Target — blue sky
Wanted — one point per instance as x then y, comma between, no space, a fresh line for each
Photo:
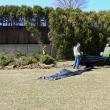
92,5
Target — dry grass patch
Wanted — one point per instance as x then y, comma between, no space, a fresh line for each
19,90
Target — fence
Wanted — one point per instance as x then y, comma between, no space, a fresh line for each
19,35
28,49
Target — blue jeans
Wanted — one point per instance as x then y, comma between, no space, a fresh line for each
77,62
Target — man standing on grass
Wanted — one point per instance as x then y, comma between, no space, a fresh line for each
107,51
76,50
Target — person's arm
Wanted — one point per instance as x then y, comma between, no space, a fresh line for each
104,49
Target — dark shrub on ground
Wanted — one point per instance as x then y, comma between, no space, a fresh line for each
26,60
21,60
35,57
46,59
4,61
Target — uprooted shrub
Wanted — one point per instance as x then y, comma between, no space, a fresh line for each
46,59
18,54
26,60
4,61
21,60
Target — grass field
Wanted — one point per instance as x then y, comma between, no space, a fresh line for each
19,90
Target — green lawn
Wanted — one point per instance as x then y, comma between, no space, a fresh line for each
19,90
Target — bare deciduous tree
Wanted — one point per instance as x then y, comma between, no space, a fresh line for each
71,3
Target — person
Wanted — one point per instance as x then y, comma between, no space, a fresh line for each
106,52
44,50
76,50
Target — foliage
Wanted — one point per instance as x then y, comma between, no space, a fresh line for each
46,59
22,59
25,11
19,54
4,61
26,60
69,26
38,11
34,31
66,27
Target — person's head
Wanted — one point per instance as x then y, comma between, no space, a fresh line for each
78,44
107,45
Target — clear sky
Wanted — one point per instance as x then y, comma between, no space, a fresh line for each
92,5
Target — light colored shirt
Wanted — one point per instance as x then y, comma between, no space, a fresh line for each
107,51
76,51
